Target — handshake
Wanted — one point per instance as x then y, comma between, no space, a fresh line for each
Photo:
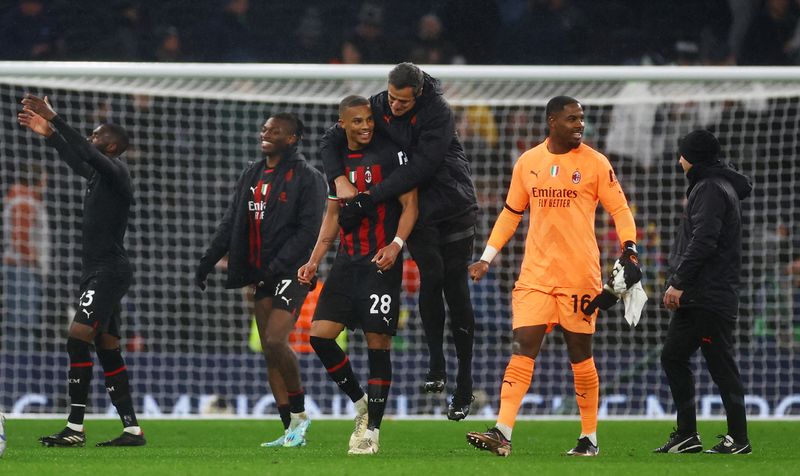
355,210
625,283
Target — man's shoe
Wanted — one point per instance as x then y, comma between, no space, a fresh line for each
125,439
296,435
727,446
585,447
369,444
459,407
2,434
492,440
434,382
66,437
276,443
359,429
681,443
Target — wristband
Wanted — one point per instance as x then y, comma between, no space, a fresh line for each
399,241
489,253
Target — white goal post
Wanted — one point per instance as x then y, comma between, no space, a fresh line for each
194,127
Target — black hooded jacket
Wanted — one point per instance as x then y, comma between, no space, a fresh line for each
292,219
437,164
706,257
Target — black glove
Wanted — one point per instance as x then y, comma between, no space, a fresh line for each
603,301
365,206
630,264
349,216
203,269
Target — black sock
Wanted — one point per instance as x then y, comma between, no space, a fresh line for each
80,376
286,416
117,384
297,401
338,366
380,380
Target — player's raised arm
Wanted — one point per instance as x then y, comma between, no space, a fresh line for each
41,126
386,256
326,237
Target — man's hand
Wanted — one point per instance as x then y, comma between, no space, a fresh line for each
39,106
365,206
385,257
307,273
344,189
349,217
478,270
35,122
672,298
200,277
629,259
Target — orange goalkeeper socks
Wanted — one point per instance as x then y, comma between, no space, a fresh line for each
587,389
516,382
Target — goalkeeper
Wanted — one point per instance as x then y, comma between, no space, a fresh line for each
268,231
561,180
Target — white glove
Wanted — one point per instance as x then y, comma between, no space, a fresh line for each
634,298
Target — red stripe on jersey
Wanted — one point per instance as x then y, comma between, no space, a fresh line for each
294,394
363,229
339,365
355,156
81,364
380,231
114,372
382,383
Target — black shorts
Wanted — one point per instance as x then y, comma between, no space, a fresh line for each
357,295
99,303
285,291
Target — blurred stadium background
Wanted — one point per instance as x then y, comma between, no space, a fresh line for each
195,126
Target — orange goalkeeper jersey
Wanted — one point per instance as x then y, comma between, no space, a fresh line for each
562,191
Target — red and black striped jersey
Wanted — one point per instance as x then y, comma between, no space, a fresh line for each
256,207
366,168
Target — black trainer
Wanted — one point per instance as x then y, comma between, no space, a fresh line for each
125,439
65,437
681,443
492,440
459,407
584,448
434,382
727,446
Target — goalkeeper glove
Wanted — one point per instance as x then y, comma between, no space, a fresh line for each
630,264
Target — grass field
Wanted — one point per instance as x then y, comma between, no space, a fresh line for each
421,448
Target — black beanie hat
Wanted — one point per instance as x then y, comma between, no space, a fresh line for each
699,146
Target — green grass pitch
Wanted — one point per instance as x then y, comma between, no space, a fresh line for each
419,448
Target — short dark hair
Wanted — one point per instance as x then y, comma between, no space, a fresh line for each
297,125
118,136
557,104
407,74
352,101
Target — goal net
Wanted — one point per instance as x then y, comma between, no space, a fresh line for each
194,127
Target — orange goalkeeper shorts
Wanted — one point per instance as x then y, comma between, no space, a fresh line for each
552,306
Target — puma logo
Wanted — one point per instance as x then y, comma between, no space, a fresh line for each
582,395
706,340
387,320
88,314
464,330
253,189
588,320
510,383
535,173
288,300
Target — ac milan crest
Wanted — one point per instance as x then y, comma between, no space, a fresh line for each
576,177
368,176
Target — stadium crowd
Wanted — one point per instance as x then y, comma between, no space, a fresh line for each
569,32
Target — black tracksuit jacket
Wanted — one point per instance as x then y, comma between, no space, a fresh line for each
290,226
437,163
705,260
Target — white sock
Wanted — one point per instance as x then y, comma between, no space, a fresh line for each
361,405
133,430
505,430
592,437
299,416
74,426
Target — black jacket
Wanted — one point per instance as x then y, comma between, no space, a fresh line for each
706,259
437,164
291,222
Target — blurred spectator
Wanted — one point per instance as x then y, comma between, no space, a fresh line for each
131,36
769,35
309,40
27,32
232,35
26,253
369,40
168,47
472,26
552,32
429,46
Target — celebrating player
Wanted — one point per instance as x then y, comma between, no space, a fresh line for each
417,117
267,232
363,288
561,180
106,272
